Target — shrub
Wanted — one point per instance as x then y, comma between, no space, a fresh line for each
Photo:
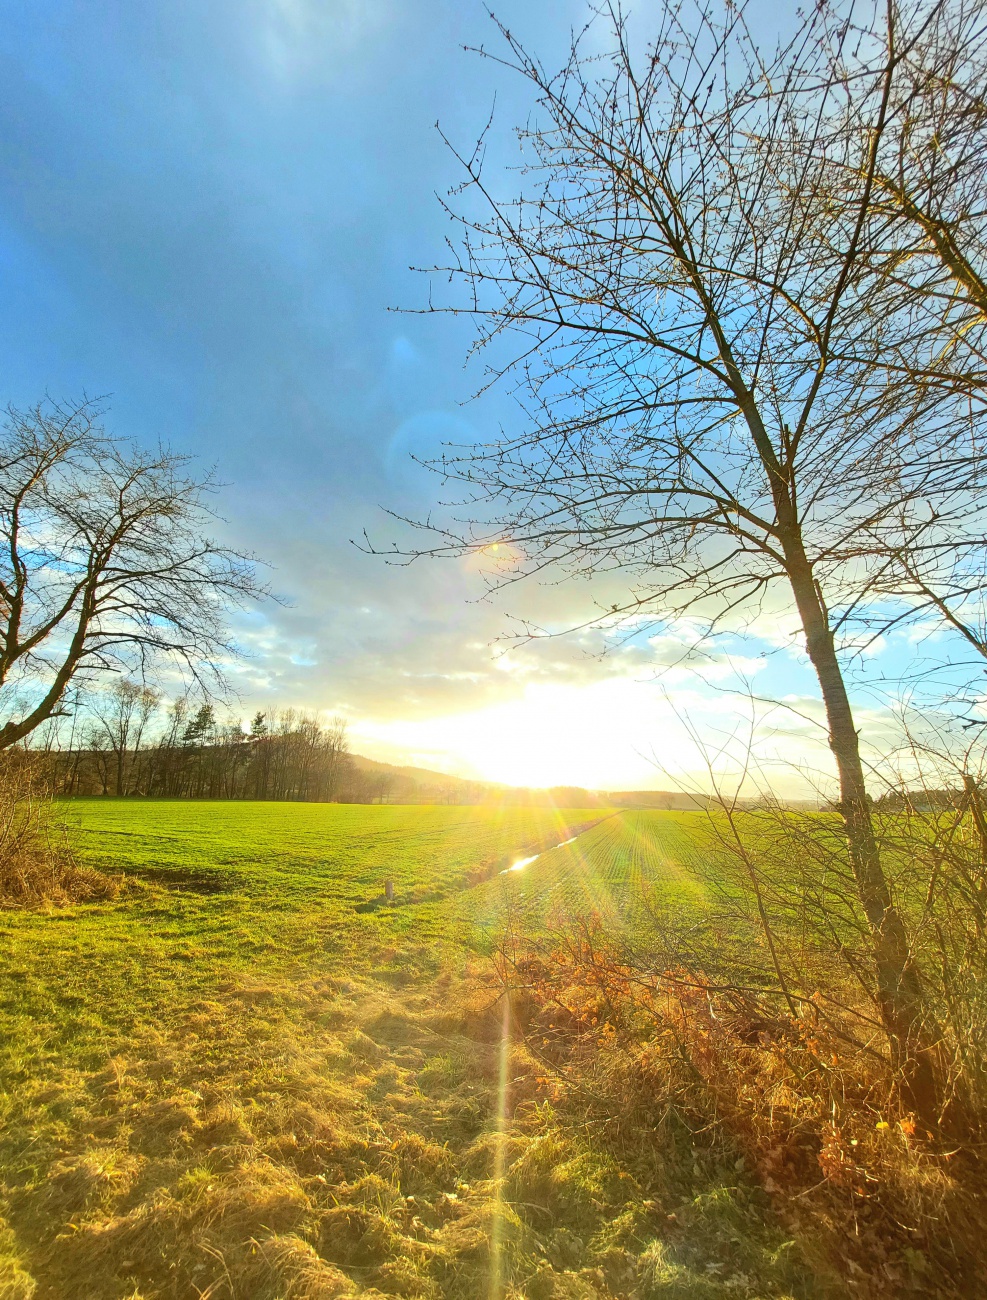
798,1106
37,865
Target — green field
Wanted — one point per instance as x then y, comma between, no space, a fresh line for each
246,1078
626,858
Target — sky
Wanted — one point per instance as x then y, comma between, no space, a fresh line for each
208,216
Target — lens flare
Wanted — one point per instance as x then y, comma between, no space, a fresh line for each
496,1291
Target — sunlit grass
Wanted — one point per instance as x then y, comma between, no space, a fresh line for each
624,862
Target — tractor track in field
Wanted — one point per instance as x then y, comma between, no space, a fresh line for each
521,863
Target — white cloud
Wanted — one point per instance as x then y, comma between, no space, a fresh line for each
300,37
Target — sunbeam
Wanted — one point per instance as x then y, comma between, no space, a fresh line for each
496,1290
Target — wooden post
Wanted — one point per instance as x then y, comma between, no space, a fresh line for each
389,890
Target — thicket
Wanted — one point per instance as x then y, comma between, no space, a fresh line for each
37,863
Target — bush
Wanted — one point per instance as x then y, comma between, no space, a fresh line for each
37,865
798,1107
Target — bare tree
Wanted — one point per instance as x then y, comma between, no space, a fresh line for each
105,564
722,399
925,250
912,80
295,756
124,712
96,745
335,752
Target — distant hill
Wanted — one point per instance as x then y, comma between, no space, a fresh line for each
419,774
396,779
398,784
667,800
673,800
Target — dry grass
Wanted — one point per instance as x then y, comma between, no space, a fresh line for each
333,1138
798,1101
37,865
240,1157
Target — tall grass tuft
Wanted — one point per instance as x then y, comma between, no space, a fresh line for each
37,864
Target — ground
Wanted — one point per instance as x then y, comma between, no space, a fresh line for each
247,1078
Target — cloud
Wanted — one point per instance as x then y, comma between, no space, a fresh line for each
302,38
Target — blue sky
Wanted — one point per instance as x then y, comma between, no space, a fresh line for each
206,213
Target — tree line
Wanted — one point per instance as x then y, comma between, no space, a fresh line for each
116,749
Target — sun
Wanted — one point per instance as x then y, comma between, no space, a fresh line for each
595,736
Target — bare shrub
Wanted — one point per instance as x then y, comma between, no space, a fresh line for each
782,878
37,865
800,1087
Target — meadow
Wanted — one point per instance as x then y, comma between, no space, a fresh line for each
249,1078
623,861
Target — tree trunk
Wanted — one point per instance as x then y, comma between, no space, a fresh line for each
899,986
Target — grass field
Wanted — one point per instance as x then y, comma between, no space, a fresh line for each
609,870
246,1078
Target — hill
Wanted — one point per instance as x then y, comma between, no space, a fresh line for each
405,784
662,800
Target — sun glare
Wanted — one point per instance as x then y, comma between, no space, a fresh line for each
597,736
